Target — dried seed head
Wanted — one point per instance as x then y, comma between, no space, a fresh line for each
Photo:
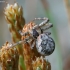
42,63
9,57
14,14
12,10
28,29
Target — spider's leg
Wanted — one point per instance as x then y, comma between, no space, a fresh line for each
20,42
48,33
47,26
43,23
44,18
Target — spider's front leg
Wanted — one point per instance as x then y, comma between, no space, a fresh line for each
43,25
28,39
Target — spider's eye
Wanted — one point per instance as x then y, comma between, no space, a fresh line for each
45,45
35,33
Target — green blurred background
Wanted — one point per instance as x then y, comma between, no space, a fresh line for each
56,11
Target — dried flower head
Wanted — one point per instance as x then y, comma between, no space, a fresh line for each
9,57
14,14
13,10
28,28
41,63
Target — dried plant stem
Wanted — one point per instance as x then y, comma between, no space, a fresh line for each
67,6
14,34
15,38
27,56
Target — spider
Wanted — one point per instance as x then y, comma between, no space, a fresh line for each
45,45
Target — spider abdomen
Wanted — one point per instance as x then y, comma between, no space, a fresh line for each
45,44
